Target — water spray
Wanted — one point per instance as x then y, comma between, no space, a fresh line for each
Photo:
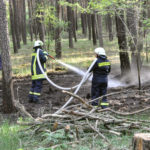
75,92
86,75
51,82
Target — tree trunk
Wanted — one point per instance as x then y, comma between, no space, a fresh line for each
57,33
141,141
84,23
89,25
93,29
132,26
148,9
121,34
70,25
100,34
6,63
12,26
74,24
110,26
30,19
23,20
16,27
39,19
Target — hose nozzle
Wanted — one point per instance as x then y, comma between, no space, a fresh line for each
51,56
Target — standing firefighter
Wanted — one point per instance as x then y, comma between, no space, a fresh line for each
100,71
37,76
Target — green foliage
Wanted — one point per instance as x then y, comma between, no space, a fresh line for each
146,23
9,139
55,137
51,19
102,7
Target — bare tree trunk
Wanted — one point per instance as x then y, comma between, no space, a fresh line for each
110,26
74,24
89,25
39,19
6,63
148,9
93,29
132,26
70,25
16,27
100,34
84,23
132,22
24,35
12,26
145,3
30,19
57,33
121,34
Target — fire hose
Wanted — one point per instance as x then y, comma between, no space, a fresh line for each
85,77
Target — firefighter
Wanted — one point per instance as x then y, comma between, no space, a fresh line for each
37,76
100,71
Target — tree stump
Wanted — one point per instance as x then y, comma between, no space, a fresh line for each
141,141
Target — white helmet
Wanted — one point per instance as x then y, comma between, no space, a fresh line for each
38,43
100,51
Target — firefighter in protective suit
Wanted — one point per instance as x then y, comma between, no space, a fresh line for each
37,76
100,71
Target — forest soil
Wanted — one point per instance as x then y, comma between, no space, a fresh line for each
127,99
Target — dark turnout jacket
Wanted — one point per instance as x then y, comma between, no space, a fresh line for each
35,69
101,68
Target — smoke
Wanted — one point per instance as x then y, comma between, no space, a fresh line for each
112,82
132,78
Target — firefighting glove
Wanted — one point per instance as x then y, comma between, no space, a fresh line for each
46,54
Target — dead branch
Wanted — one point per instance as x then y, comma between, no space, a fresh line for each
18,105
22,109
79,98
122,113
100,134
55,116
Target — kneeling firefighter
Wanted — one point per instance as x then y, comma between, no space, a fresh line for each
100,71
37,76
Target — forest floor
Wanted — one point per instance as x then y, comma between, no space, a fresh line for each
124,98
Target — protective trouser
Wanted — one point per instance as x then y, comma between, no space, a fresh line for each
35,90
99,89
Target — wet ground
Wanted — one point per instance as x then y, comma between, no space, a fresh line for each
123,98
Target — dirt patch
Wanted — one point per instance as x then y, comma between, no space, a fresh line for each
51,98
126,98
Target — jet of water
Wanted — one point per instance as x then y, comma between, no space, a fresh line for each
111,82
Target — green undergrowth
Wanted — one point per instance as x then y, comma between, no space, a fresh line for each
9,137
80,56
15,137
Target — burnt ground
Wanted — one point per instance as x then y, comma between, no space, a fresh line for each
127,99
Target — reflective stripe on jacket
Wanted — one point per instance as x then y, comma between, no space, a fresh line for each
35,70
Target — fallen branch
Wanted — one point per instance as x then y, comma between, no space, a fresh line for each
19,106
55,116
79,98
22,109
124,114
100,134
